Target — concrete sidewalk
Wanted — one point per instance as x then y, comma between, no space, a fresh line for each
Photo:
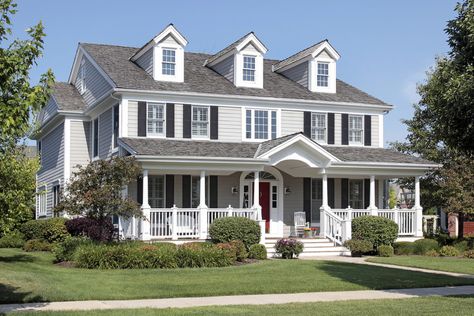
241,299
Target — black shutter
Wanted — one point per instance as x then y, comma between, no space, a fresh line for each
213,186
344,193
142,119
169,120
214,122
331,128
140,190
366,193
367,130
345,129
186,191
331,192
307,124
187,121
169,179
307,198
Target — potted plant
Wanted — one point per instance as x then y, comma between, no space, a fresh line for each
307,233
288,247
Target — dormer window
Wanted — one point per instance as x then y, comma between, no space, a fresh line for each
169,62
323,75
249,68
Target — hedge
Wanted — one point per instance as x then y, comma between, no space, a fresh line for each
51,230
235,228
64,251
378,230
13,239
37,245
359,247
422,246
385,251
405,248
258,252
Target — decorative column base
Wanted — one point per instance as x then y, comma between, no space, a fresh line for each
322,222
145,224
373,210
262,225
203,223
418,221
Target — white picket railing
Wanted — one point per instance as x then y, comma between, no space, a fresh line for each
333,227
178,223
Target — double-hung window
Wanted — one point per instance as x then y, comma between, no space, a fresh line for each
115,123
355,129
249,68
356,193
156,191
95,138
318,127
155,119
56,195
200,122
41,200
322,79
316,199
260,124
168,65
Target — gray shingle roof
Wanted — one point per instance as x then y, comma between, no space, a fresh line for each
227,49
114,60
67,97
184,148
299,55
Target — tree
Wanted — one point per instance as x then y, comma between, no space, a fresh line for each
17,188
442,128
96,190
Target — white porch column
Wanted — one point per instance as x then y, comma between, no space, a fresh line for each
418,209
202,206
325,191
256,195
145,223
324,205
372,207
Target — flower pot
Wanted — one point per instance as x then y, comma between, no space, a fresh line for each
307,234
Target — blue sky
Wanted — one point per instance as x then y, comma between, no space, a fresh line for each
385,46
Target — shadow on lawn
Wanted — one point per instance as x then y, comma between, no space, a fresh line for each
18,258
11,295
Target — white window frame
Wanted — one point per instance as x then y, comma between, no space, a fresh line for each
94,147
156,135
115,108
326,76
208,122
316,183
252,127
56,194
361,200
82,77
150,191
42,196
361,130
195,184
314,128
252,70
163,62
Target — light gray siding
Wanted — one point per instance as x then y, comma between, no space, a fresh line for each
80,143
226,68
337,129
52,163
224,193
105,134
291,122
145,61
178,120
375,131
230,124
299,74
96,85
49,110
132,118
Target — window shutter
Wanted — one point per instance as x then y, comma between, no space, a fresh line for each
366,192
142,119
213,186
344,193
345,129
307,198
367,130
186,120
307,124
186,191
214,122
331,128
331,192
140,190
170,120
169,180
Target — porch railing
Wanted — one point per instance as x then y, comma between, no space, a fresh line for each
179,223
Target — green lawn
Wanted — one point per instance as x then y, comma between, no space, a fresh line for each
459,265
414,306
28,277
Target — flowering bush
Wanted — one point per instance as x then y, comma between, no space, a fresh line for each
288,248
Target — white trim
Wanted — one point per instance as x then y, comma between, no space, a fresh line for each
123,119
325,141
156,135
75,66
67,150
251,38
208,122
269,123
115,148
381,131
361,143
313,73
158,63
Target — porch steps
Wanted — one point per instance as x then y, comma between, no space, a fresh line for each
314,247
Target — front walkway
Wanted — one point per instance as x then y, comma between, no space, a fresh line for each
264,299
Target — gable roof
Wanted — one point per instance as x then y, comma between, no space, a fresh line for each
67,97
114,60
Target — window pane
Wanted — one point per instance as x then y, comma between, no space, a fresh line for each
156,191
200,121
318,127
248,124
274,125
356,194
169,62
355,129
116,124
323,75
249,68
96,138
261,124
155,119
316,199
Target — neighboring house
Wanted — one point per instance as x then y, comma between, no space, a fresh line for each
266,137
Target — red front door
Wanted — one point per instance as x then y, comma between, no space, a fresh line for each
265,203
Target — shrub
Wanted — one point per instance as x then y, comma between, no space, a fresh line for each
206,256
64,251
288,248
378,230
404,248
98,230
421,246
448,251
230,250
432,253
37,245
359,247
51,230
14,239
385,251
258,252
461,245
240,250
469,254
235,228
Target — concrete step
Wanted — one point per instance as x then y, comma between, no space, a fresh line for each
316,249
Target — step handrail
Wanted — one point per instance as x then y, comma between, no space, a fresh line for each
333,227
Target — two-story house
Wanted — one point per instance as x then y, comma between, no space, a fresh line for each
231,133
